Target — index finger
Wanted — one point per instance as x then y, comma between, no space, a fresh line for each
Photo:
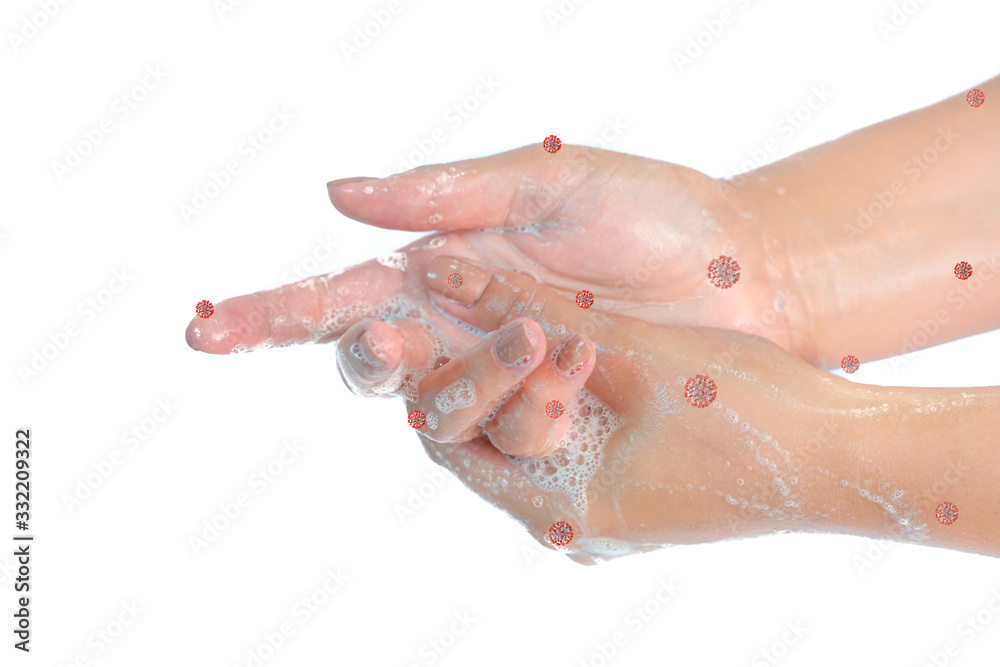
316,309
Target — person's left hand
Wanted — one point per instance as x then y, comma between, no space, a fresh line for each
619,435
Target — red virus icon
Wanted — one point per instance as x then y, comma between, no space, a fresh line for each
584,299
417,419
552,143
204,309
946,513
700,391
455,280
560,533
724,272
554,409
975,97
849,363
963,270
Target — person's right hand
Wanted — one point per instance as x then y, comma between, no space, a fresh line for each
640,464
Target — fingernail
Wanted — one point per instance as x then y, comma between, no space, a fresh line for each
571,355
514,345
457,280
369,352
341,182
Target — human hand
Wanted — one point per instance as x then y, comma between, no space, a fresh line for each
639,465
637,233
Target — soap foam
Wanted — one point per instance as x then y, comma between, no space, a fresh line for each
580,452
393,260
459,394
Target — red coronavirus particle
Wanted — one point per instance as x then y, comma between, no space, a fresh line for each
552,143
849,363
963,270
554,409
724,271
946,513
417,419
700,391
204,309
975,97
560,533
455,280
584,299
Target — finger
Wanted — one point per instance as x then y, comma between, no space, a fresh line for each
374,355
532,423
311,310
507,189
488,298
455,398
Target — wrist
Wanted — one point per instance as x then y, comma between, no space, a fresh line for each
788,255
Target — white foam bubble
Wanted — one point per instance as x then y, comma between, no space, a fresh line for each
604,546
459,394
393,260
569,469
432,420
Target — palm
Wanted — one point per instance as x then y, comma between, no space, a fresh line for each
638,233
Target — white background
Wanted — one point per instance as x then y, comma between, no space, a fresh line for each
333,507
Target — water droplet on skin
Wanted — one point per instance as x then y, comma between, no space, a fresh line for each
740,482
369,189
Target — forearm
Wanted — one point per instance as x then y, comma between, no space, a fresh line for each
868,229
904,453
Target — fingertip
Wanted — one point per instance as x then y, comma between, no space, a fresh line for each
235,324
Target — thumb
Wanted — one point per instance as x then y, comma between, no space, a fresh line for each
505,190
